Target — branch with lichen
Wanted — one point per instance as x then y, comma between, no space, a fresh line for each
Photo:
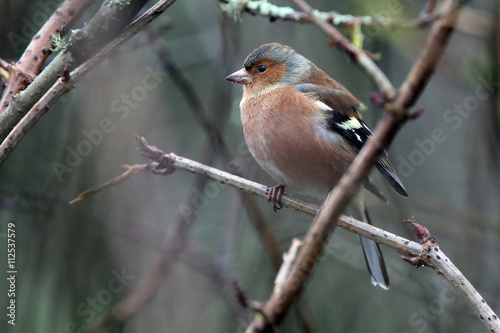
234,8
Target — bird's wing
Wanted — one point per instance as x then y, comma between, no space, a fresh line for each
349,125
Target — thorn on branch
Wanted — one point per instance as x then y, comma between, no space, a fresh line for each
414,261
67,69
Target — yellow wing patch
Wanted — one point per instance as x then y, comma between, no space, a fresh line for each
350,124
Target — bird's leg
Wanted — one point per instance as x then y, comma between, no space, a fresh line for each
274,195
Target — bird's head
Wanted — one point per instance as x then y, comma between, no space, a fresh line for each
271,66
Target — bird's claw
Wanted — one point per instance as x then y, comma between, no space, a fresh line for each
274,195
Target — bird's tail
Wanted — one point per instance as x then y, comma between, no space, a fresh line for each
371,250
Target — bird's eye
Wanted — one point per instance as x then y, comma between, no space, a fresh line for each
262,68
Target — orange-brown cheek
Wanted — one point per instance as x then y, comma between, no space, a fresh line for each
274,75
278,72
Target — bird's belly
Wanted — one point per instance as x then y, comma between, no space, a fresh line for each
297,155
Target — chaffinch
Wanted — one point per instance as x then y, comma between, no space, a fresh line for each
303,128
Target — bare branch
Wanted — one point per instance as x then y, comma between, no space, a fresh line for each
274,12
131,171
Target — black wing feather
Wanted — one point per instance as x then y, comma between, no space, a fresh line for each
355,136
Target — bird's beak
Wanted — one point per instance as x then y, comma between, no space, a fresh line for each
240,76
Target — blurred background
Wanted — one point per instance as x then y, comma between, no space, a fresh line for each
75,262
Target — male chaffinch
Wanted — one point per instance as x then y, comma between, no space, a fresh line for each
303,128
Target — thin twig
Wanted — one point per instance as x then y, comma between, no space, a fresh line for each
6,70
172,245
288,259
131,171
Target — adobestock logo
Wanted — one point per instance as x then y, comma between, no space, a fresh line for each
121,107
393,9
94,305
421,319
454,118
202,199
30,27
